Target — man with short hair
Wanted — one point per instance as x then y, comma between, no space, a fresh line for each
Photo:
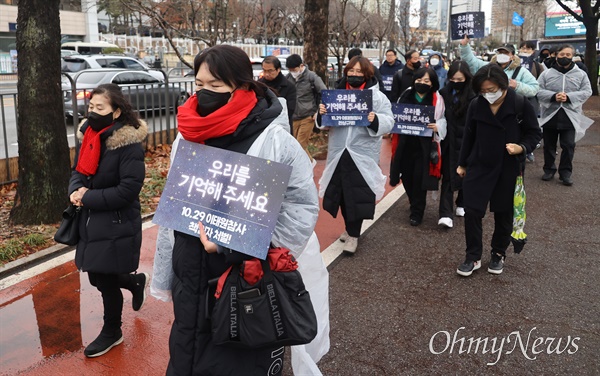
521,80
403,79
563,90
388,69
308,96
273,78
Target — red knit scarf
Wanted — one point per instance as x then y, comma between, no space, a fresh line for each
89,152
222,122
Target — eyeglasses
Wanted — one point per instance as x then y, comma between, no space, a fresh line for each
270,71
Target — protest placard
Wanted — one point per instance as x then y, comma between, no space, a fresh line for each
387,82
412,119
237,197
471,24
346,107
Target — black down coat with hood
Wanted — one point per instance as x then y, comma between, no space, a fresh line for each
110,226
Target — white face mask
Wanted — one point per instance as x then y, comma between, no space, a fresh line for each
296,74
502,58
524,54
493,97
434,62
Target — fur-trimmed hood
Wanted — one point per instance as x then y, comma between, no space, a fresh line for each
516,62
122,136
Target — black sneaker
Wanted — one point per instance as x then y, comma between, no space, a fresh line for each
139,291
566,180
103,343
547,176
468,267
496,264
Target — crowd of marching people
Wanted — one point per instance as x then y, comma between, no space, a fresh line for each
488,118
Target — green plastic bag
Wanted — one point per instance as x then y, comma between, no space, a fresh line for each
518,236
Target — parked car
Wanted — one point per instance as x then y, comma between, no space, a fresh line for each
65,53
77,63
144,92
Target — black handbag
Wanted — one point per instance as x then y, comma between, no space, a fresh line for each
276,311
68,231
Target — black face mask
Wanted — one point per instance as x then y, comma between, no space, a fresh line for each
210,101
422,88
416,65
99,122
564,61
543,57
458,86
356,81
550,61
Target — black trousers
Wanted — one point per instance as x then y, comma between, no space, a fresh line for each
352,227
446,197
417,197
503,222
567,144
110,286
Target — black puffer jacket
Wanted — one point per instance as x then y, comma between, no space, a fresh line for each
110,225
284,89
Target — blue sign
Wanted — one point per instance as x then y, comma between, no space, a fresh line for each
563,25
346,107
471,24
412,119
387,82
12,27
276,51
236,197
517,20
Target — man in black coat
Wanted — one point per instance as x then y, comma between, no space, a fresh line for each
388,69
282,87
404,77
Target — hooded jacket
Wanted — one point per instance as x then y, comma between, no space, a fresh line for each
439,69
527,85
110,223
577,86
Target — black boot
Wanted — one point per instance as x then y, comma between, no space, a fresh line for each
139,290
104,342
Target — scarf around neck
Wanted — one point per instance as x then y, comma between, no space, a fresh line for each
89,152
222,122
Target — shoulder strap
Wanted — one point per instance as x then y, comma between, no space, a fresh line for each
520,103
516,73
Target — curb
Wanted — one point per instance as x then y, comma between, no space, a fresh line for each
47,254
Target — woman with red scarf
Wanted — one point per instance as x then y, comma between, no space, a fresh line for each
412,157
105,184
232,111
352,179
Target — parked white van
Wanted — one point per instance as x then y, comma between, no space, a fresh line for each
87,48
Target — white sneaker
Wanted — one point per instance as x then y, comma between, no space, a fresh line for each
445,221
460,212
344,236
313,163
350,245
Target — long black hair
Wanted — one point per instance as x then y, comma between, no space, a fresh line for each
118,101
231,65
460,107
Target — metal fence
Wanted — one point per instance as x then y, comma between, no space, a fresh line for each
156,104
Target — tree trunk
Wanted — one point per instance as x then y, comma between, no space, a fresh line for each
43,149
591,26
316,32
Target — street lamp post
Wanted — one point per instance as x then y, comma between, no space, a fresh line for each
449,39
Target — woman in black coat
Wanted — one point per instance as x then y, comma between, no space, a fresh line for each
411,154
457,95
106,181
495,144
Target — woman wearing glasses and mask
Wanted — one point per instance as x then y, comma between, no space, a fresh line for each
494,146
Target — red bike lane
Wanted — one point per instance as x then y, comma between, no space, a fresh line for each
47,319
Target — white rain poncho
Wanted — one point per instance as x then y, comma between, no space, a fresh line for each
364,146
294,230
577,86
